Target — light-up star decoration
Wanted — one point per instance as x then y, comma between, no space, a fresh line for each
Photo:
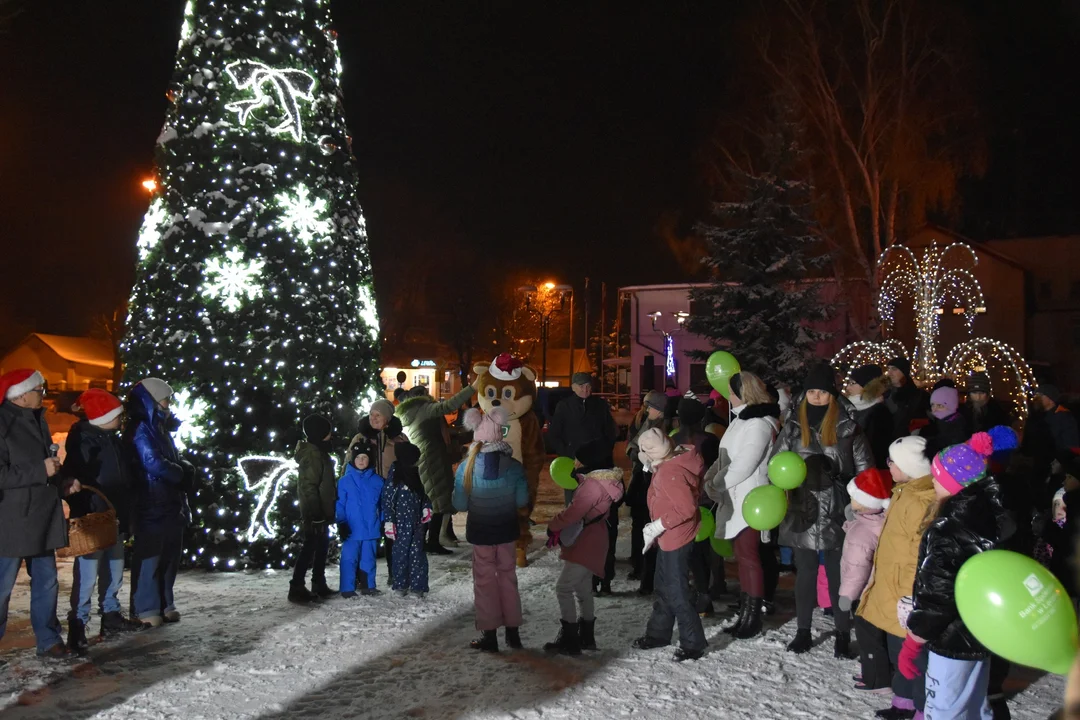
232,279
304,215
265,476
190,411
283,88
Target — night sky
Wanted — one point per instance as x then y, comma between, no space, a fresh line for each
551,137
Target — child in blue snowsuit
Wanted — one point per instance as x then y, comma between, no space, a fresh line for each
407,512
359,516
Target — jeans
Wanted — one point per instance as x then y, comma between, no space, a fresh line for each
806,566
312,555
575,581
105,569
675,601
155,562
956,689
44,589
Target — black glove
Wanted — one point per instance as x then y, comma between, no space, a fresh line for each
187,483
344,531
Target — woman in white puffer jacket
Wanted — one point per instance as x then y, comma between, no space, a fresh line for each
742,466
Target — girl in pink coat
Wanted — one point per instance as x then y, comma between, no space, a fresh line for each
582,531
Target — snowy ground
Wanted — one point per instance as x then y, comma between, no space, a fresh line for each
241,651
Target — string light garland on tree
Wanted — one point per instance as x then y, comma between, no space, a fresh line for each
254,294
942,277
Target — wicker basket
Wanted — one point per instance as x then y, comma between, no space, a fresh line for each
92,532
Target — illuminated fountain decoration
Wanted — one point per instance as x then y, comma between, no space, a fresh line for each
942,278
1010,376
866,352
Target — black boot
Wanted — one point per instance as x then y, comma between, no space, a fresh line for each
750,620
602,589
842,646
567,642
114,622
803,642
895,713
740,614
513,638
322,590
587,633
648,643
76,640
487,642
433,546
298,593
682,654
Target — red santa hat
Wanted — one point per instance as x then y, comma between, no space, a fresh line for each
506,367
101,408
871,488
19,382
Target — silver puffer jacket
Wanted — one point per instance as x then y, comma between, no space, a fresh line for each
815,516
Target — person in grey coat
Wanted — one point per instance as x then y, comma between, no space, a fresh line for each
32,524
821,429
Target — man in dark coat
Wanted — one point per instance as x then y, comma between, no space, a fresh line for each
32,522
908,403
1050,432
581,419
982,410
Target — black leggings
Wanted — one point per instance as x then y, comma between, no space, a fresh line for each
806,567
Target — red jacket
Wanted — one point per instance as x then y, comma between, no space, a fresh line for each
673,497
592,500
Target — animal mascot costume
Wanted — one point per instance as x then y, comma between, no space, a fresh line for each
508,384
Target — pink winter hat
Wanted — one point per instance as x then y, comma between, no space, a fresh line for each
958,466
948,398
486,428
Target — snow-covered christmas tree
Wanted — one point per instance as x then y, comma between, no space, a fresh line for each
254,294
762,251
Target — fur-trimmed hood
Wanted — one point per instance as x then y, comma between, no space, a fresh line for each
393,428
611,480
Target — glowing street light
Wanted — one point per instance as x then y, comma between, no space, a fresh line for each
150,184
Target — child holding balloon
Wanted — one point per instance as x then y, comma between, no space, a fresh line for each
970,520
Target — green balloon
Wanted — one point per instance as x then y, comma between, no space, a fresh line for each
722,547
673,433
787,470
764,507
718,370
1018,610
707,526
562,472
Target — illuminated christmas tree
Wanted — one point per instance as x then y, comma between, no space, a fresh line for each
254,295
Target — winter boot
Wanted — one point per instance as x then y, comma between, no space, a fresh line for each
740,615
842,646
567,642
895,713
171,616
682,654
586,633
648,643
114,622
58,652
433,546
322,590
522,558
750,620
349,594
298,593
803,642
446,533
76,640
603,589
149,623
513,638
370,591
487,642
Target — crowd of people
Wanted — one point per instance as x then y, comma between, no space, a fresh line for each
903,484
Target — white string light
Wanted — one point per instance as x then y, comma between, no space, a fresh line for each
150,232
304,215
865,352
233,279
265,476
288,87
190,411
1009,373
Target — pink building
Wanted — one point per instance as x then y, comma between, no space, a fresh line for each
659,340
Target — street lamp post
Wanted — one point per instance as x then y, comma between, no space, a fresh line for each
544,312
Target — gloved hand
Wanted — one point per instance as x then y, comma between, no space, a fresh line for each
187,483
343,530
652,531
388,530
426,515
906,662
553,539
844,603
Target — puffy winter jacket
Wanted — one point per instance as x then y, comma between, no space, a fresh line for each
968,523
908,403
424,422
404,504
577,422
31,515
815,517
673,497
315,485
98,458
498,489
941,434
592,501
160,473
359,502
861,537
742,465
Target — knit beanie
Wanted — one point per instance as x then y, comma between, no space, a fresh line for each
316,427
902,364
821,377
406,454
101,407
871,488
362,447
158,388
862,376
1050,391
1005,441
656,399
486,428
979,382
956,467
691,412
653,448
943,383
384,407
909,454
949,398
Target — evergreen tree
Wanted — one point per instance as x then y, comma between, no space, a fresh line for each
762,251
254,294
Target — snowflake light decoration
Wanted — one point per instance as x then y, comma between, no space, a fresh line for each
191,412
304,215
233,279
150,232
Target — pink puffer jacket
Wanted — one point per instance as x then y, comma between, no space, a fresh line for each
860,543
592,500
674,495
